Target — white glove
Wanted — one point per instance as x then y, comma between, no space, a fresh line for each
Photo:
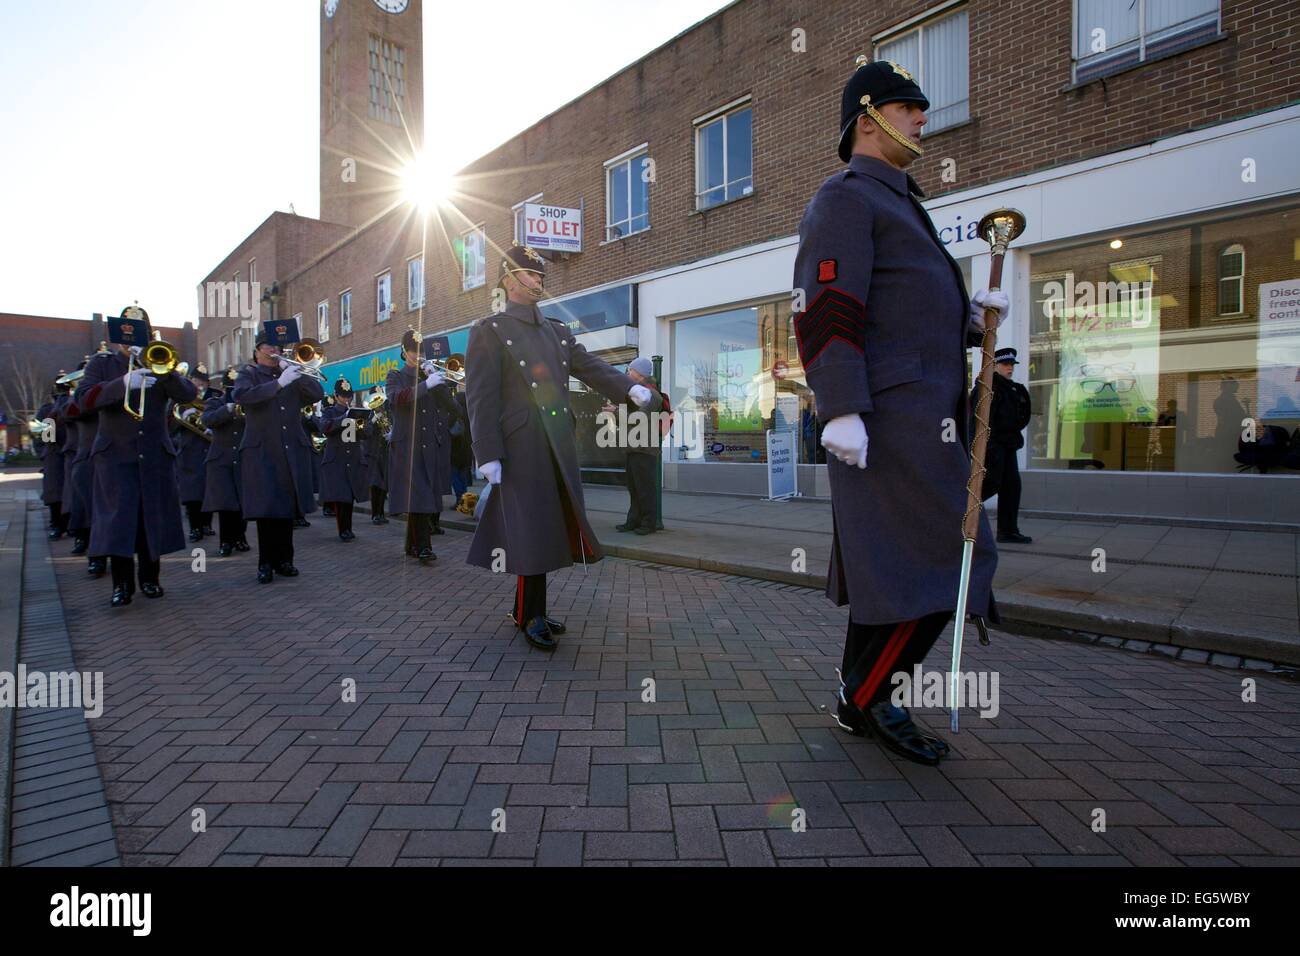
491,470
138,378
135,350
230,406
984,299
641,395
845,437
434,379
290,375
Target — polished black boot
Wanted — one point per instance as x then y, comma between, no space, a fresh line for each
1013,537
427,556
265,574
849,716
97,567
242,545
894,728
437,528
152,590
208,531
327,511
539,634
301,523
196,534
121,596
347,535
557,627
379,518
286,570
80,545
226,550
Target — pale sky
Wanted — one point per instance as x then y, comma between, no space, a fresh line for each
141,140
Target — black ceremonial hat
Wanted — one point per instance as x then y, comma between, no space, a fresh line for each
873,85
200,372
522,259
1006,355
342,387
411,340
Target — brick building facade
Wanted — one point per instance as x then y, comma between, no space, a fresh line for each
1039,99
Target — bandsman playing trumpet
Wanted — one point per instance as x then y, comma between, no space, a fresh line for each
137,511
343,473
225,420
191,463
275,455
418,470
81,477
54,471
377,454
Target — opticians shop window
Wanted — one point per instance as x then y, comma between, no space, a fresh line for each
1134,366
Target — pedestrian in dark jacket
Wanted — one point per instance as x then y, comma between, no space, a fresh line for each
136,505
275,456
1009,415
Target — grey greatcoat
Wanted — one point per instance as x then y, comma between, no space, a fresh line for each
221,482
419,469
81,474
134,462
884,335
343,472
376,459
518,396
191,468
70,503
54,472
275,457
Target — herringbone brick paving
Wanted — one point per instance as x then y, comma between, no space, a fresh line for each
226,697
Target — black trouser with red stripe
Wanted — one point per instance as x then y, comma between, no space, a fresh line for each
530,597
873,653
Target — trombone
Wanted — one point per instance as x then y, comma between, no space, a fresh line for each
308,356
158,358
178,412
453,369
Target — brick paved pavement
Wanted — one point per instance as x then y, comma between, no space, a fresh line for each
226,697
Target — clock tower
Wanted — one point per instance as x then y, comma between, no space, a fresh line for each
371,104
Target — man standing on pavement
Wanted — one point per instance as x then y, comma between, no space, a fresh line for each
644,442
523,430
883,333
1008,417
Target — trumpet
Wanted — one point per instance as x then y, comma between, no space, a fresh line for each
318,442
38,427
178,412
72,378
158,358
453,369
376,404
307,355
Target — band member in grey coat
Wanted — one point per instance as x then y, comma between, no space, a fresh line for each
275,456
883,336
81,477
523,430
419,402
55,469
343,472
377,463
136,507
225,420
191,462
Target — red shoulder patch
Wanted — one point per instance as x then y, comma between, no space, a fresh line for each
827,270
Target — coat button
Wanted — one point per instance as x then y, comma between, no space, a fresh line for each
142,457
534,384
510,342
494,325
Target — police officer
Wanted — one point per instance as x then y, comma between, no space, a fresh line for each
883,339
1008,416
343,472
275,455
191,463
54,471
377,463
523,433
137,512
419,402
81,478
225,420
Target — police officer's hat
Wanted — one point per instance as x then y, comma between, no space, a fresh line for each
343,387
873,85
130,328
280,333
1006,355
522,259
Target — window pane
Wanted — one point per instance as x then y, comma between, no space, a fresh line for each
640,191
1229,265
947,70
1118,19
1168,13
711,156
618,198
740,135
906,52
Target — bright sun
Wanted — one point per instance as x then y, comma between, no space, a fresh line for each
425,184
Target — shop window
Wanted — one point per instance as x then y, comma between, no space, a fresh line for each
1113,35
471,247
1232,277
732,379
627,195
724,156
936,53
1128,372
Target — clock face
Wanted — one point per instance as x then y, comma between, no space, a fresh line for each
331,7
392,6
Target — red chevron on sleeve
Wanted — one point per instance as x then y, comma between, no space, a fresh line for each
834,314
90,402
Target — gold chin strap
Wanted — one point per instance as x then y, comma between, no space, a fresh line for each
885,125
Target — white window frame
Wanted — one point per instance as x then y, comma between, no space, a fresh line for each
383,315
1232,249
345,312
701,123
517,214
212,356
918,25
1097,65
224,349
415,296
468,281
297,317
611,165
323,320
252,270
